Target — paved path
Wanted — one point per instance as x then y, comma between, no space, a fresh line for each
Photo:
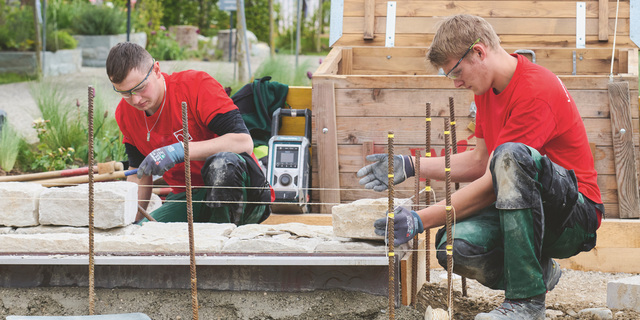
18,99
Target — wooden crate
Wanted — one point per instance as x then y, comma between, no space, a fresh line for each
363,90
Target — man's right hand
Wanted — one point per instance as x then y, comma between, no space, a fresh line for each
376,175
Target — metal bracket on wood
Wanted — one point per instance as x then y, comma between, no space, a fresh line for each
581,22
527,51
574,70
335,28
390,36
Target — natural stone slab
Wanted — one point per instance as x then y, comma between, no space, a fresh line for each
624,293
355,219
596,313
349,247
181,229
307,231
44,243
204,243
115,205
265,245
19,203
130,229
252,231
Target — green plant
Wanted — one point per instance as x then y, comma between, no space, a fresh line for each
282,70
11,77
163,47
60,40
10,142
17,28
257,13
100,20
148,17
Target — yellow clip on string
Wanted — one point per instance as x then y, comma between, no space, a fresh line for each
427,188
391,254
447,169
391,215
448,208
449,250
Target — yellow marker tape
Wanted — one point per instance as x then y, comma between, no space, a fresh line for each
391,215
428,119
448,208
453,123
391,254
428,154
449,250
447,169
447,132
391,175
427,188
390,135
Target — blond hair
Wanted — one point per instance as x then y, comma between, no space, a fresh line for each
454,36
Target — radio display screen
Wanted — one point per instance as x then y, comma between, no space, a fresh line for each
287,157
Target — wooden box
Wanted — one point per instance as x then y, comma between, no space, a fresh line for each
363,89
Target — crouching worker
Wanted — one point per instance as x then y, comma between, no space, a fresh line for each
233,188
532,193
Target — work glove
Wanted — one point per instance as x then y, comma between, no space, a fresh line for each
406,224
376,175
161,160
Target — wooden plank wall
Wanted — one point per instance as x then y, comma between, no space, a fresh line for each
519,23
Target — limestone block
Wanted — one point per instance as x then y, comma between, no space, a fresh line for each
19,203
307,231
5,230
355,220
130,229
181,229
624,293
44,243
265,245
159,244
350,247
115,205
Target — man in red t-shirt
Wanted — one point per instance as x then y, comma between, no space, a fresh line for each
232,185
532,194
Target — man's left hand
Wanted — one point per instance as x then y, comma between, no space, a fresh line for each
161,160
406,223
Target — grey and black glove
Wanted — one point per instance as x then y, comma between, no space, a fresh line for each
406,224
161,160
376,175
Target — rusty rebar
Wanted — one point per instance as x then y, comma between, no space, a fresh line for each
391,229
454,148
449,223
187,178
92,299
427,188
414,260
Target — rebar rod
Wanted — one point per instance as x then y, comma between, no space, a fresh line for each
391,228
427,188
449,222
414,260
187,178
91,94
454,148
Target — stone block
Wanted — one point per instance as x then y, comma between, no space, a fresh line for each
624,293
19,203
355,219
115,205
158,244
44,243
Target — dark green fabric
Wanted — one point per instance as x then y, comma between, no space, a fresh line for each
257,101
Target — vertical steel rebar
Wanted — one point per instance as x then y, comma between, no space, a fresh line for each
92,299
449,223
454,146
187,178
427,188
391,229
414,260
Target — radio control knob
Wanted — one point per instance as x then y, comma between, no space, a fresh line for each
285,179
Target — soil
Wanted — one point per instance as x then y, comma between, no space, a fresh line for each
576,291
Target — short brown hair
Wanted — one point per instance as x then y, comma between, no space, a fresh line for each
124,57
454,36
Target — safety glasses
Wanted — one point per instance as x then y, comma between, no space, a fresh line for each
136,89
453,76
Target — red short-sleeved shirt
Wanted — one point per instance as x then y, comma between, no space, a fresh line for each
536,109
205,98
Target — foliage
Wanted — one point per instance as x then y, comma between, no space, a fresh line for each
309,32
257,13
11,77
10,142
62,14
148,16
17,28
100,20
60,40
162,46
63,132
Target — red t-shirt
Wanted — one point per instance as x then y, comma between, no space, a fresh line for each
205,99
536,109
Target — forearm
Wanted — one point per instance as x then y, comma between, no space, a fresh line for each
230,142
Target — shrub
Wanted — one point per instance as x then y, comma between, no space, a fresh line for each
100,20
16,28
163,47
10,142
60,40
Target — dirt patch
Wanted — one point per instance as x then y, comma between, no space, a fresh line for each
576,291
